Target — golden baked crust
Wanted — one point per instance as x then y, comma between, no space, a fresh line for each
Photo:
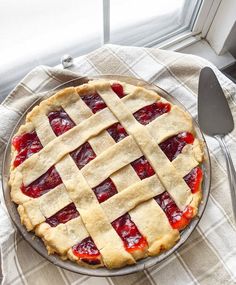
112,160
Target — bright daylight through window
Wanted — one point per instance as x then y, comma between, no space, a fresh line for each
45,30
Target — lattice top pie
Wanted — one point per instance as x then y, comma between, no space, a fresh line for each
106,173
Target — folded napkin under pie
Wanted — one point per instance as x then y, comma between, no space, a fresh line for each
209,255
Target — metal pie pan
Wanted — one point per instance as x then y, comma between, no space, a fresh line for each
142,264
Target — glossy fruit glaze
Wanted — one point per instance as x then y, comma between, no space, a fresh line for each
142,167
117,132
43,184
26,145
63,216
149,113
118,89
178,219
105,190
29,143
174,145
124,226
87,251
60,122
94,102
83,155
129,233
194,179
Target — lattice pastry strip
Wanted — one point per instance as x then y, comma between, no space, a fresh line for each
194,165
117,195
113,177
40,162
37,210
65,168
153,233
177,121
63,175
44,124
162,166
82,195
189,158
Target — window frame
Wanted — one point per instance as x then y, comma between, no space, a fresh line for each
199,28
209,17
222,36
185,29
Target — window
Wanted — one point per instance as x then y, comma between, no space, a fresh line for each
41,31
37,30
145,23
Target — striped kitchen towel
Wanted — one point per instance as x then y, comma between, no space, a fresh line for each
209,255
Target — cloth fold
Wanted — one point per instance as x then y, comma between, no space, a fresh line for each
209,255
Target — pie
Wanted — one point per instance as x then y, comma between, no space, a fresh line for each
106,173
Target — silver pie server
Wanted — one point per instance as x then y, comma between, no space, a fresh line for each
215,119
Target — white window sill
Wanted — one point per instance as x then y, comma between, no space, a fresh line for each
185,43
190,44
203,49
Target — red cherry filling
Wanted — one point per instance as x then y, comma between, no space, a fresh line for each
117,132
129,233
194,179
105,190
83,155
143,167
118,89
174,145
94,102
64,215
178,219
87,251
60,122
151,112
43,184
26,145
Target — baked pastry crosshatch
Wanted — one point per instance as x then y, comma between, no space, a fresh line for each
106,173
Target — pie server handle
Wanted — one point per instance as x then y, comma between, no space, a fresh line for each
231,172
